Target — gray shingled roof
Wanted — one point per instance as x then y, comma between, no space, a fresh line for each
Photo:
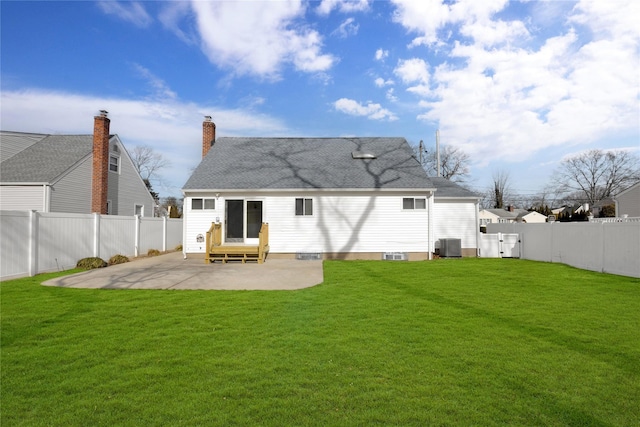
308,163
446,188
46,160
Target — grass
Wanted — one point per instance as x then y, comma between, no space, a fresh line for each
447,342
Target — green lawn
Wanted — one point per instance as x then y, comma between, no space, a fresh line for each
447,342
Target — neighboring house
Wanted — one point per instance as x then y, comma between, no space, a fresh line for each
345,198
498,216
628,202
71,173
604,207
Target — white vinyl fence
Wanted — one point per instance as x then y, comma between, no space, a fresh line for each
499,245
607,247
36,242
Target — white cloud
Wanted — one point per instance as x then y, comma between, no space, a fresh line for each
347,28
370,110
160,88
381,54
380,82
344,6
133,12
414,72
391,95
498,96
171,127
172,15
259,37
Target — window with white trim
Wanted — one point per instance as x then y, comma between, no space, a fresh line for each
410,203
304,207
139,210
200,204
114,164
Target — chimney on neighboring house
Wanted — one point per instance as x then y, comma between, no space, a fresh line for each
208,135
100,176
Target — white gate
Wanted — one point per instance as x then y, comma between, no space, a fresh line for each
499,245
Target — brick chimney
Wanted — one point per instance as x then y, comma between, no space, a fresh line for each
208,135
100,163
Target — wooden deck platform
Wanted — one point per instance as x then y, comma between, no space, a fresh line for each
240,252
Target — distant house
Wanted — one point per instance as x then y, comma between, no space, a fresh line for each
344,198
628,202
71,173
511,214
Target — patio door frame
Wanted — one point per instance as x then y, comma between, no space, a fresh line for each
237,226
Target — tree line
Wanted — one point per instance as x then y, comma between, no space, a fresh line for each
587,178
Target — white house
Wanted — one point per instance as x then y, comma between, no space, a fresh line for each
499,216
344,198
71,173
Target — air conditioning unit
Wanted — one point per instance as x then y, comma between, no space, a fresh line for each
395,256
451,248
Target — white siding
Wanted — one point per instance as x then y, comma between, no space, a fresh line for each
456,220
126,188
628,203
72,193
341,222
22,197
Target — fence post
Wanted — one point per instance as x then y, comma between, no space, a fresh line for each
33,243
96,234
164,234
136,247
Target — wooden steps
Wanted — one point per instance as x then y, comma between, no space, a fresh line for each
217,251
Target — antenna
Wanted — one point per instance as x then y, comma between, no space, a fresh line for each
438,174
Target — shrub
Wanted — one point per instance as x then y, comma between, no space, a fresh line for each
118,259
91,263
178,248
153,252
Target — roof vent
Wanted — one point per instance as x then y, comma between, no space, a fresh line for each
363,155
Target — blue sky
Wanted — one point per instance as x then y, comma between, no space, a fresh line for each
517,85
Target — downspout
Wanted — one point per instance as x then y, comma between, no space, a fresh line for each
476,204
46,197
430,226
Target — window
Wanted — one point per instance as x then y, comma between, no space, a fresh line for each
139,210
114,163
109,205
411,203
199,204
304,207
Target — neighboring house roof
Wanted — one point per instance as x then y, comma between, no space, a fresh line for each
47,160
310,163
446,188
15,142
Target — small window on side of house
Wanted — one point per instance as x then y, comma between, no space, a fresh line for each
410,203
139,210
407,203
114,163
304,207
200,204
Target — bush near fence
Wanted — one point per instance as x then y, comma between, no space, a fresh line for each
37,242
603,246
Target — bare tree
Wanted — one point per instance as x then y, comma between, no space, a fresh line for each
454,163
500,192
147,162
597,174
